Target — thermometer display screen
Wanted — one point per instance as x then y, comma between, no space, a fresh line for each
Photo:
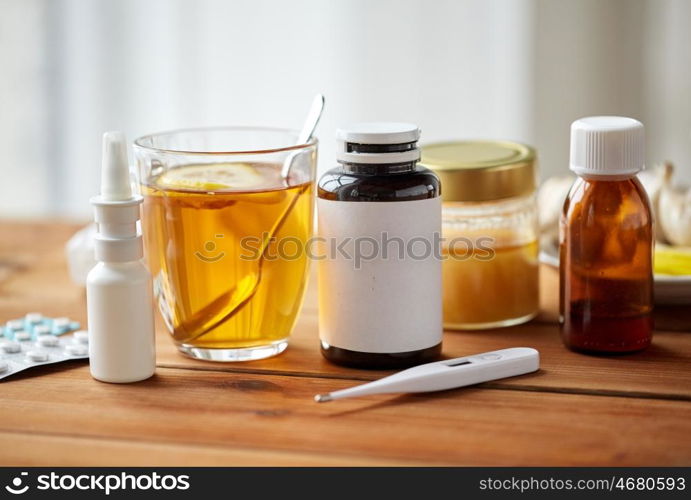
459,363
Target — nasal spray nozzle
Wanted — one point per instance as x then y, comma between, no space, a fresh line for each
119,287
116,208
115,176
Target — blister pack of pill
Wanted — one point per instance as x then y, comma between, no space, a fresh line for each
37,340
31,326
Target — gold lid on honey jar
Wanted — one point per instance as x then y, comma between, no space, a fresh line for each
481,170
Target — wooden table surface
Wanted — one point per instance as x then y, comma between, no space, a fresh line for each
577,410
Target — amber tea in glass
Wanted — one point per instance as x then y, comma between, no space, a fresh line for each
212,221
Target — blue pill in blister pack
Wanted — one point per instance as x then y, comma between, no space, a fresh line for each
35,325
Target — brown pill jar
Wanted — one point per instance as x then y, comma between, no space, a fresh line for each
379,220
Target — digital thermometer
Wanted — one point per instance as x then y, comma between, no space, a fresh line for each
448,374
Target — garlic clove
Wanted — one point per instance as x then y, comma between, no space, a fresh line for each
550,201
652,180
674,210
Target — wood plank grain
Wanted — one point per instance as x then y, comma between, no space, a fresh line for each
44,450
33,271
277,414
664,370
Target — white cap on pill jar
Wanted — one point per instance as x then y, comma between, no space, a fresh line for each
378,143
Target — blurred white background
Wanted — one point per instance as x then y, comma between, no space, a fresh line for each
510,69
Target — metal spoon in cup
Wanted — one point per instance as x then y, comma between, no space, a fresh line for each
306,132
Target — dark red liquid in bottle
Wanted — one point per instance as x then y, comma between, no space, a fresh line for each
606,267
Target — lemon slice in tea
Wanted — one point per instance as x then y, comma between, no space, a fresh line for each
221,176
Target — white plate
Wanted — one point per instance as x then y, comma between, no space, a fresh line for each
668,290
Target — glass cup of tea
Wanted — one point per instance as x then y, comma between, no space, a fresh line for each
227,217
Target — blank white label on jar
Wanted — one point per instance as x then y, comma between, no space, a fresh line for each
388,302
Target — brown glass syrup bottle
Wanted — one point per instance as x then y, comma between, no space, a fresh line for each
606,241
376,177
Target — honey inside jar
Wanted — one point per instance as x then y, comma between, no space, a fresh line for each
490,234
490,274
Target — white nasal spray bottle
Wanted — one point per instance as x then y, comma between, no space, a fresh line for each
119,288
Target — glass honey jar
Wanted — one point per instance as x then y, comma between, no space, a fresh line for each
490,232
